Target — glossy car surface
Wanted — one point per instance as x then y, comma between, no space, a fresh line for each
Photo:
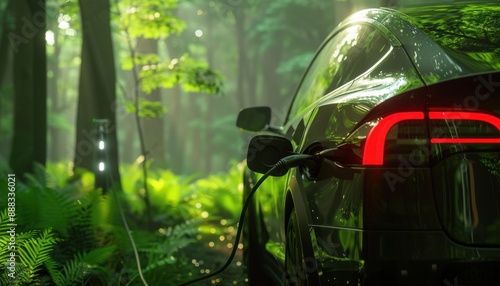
403,107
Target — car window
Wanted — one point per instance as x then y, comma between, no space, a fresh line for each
344,57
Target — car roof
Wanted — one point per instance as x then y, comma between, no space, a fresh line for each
444,41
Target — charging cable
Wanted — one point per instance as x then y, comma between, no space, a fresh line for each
125,224
286,163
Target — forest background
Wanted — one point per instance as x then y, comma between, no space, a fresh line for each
169,77
260,48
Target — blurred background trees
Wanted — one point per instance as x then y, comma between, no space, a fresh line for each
25,65
261,48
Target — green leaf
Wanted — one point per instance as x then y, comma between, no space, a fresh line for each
75,270
34,251
151,19
151,109
191,74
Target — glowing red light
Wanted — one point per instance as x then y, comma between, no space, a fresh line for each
465,140
373,153
466,115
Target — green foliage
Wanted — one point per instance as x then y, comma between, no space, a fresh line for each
154,20
297,64
182,198
221,193
70,234
191,74
74,271
474,33
33,252
168,191
151,19
141,60
147,108
31,249
275,26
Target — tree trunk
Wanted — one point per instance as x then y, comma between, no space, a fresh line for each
129,150
55,150
175,142
30,86
175,160
208,152
97,94
153,127
5,99
242,56
4,43
271,82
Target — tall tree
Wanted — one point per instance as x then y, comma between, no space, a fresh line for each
5,101
27,40
153,126
97,92
4,40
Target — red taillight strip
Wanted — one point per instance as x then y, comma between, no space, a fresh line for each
465,140
465,115
373,153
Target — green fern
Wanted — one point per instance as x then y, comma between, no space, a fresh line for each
22,270
4,239
4,220
76,270
41,207
5,279
34,251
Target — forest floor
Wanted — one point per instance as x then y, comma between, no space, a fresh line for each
212,252
212,260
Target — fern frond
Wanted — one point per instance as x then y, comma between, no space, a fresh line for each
4,221
20,237
33,252
5,240
58,218
39,177
54,273
75,270
15,279
6,248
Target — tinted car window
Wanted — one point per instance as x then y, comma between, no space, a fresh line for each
344,57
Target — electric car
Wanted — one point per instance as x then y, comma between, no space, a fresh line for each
399,114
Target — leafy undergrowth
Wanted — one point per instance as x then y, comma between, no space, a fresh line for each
68,233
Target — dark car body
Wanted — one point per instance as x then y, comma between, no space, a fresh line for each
404,108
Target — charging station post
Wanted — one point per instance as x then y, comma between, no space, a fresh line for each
100,163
